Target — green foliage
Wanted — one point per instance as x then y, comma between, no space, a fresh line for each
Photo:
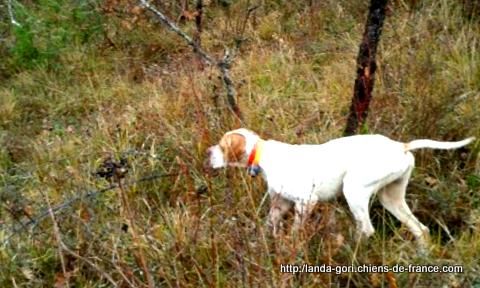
50,28
24,53
473,182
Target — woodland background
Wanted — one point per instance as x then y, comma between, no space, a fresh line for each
105,115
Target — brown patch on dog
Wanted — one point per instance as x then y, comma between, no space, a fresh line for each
233,147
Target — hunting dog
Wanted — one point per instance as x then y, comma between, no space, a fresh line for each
301,175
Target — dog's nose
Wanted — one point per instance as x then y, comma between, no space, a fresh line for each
206,162
209,152
207,166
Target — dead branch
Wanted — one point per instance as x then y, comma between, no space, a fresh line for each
58,239
172,26
11,15
64,248
223,65
243,26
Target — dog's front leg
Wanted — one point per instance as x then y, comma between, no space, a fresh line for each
279,206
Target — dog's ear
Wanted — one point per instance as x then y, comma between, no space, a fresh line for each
233,146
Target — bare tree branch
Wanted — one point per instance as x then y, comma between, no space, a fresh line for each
64,248
58,239
10,13
172,26
223,65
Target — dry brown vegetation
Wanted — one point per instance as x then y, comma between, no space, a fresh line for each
84,82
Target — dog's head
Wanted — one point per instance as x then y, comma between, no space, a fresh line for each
233,149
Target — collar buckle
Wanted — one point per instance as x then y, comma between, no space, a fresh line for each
253,168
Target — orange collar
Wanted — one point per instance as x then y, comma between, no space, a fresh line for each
254,158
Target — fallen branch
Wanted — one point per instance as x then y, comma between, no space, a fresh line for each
62,247
223,65
10,13
58,239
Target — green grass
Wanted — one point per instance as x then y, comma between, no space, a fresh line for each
80,84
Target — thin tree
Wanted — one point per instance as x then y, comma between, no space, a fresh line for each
366,66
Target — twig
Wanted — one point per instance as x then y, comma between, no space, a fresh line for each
223,65
58,239
103,273
243,27
64,248
10,13
182,34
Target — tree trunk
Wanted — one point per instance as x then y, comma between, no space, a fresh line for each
198,21
366,66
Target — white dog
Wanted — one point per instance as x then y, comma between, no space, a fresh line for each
302,175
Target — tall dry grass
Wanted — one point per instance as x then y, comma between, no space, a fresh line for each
134,90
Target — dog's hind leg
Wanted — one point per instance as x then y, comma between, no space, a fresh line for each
393,199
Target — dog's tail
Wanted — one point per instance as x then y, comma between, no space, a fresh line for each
426,143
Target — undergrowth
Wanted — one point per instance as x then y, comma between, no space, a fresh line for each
87,81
